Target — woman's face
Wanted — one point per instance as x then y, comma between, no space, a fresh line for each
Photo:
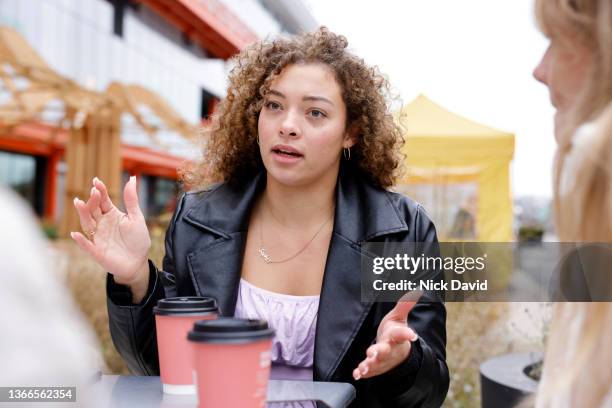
564,69
302,125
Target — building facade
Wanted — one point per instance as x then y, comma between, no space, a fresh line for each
180,49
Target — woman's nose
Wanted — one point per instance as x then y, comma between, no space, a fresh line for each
540,73
290,125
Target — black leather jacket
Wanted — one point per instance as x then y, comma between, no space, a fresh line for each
204,246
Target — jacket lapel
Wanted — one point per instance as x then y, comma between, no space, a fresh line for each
340,309
363,212
224,214
215,271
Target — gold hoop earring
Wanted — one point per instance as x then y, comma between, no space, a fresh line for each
347,153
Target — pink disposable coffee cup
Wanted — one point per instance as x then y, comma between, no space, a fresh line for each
232,362
174,317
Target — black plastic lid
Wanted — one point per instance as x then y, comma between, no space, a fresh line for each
186,305
230,330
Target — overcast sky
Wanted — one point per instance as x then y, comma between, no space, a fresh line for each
475,57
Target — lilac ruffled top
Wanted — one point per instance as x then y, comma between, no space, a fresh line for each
294,319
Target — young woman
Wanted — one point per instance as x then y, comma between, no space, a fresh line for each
577,69
303,147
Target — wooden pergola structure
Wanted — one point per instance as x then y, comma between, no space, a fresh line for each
92,119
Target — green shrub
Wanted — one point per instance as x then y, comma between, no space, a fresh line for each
530,234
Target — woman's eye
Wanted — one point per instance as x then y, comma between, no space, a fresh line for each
315,113
272,105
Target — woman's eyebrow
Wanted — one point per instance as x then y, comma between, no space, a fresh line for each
275,92
305,98
317,98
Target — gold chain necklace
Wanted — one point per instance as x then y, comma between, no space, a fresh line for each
268,259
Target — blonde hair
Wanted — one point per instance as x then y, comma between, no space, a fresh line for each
584,193
589,24
580,332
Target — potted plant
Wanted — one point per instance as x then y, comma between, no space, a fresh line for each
507,379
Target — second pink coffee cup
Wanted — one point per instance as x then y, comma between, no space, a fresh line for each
232,362
174,317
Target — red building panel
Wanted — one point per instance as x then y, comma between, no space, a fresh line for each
39,139
209,23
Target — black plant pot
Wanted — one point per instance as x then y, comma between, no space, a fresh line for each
504,382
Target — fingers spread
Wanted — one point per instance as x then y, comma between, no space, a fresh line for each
413,335
401,310
93,204
412,296
85,218
130,198
105,202
372,352
374,363
382,350
399,334
364,368
386,354
85,244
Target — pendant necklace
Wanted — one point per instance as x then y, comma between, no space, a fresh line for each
268,259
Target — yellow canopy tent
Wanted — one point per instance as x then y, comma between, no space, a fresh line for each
459,171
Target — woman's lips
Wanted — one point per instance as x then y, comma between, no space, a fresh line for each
287,149
286,154
286,157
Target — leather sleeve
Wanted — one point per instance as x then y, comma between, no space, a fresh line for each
423,379
132,326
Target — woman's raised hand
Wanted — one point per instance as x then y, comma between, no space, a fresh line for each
118,241
393,340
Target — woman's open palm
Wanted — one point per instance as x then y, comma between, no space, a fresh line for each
118,241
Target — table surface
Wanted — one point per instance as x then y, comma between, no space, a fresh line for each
137,391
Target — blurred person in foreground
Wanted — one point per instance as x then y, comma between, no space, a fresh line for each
577,69
45,341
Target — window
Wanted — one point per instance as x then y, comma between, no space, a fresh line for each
119,7
25,175
163,194
156,195
186,40
208,104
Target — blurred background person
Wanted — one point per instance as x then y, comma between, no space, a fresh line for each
577,69
45,341
464,224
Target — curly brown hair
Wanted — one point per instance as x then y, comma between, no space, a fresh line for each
230,150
